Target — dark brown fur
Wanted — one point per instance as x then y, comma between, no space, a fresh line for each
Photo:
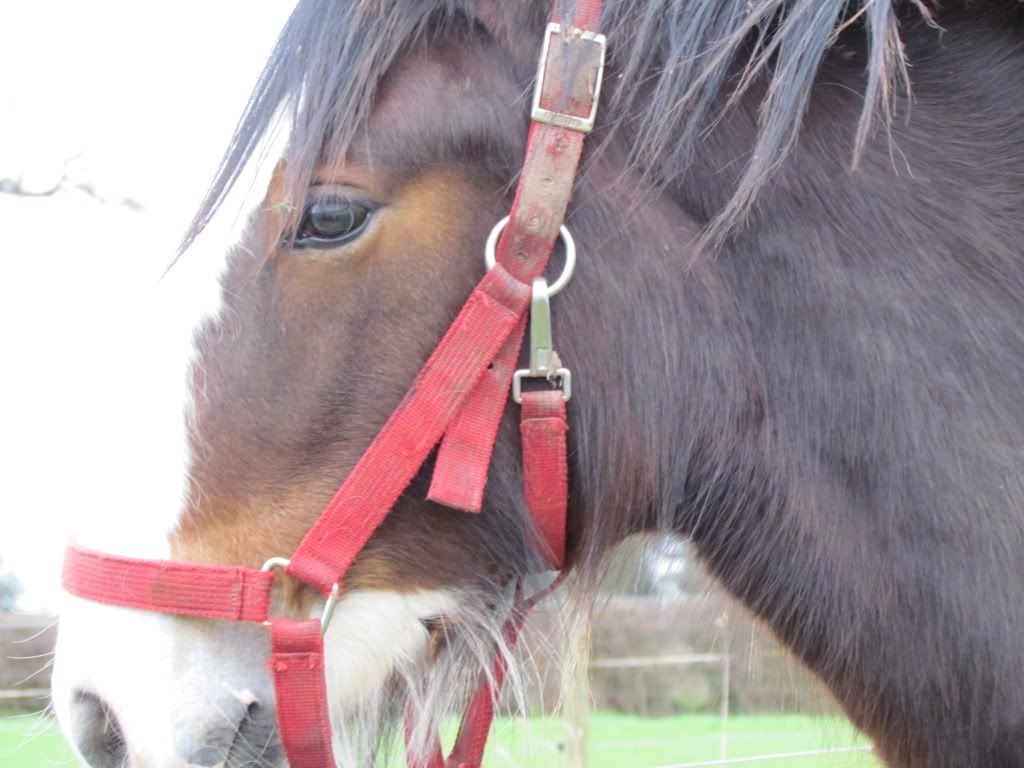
827,397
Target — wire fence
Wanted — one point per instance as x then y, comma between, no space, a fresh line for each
720,660
651,731
584,737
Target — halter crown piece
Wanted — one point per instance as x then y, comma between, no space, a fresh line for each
457,399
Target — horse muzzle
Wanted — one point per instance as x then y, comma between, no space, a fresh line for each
139,690
236,733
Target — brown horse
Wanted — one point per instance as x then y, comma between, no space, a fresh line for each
796,333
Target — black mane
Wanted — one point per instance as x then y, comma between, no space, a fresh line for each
676,66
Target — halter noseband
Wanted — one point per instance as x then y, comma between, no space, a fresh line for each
457,399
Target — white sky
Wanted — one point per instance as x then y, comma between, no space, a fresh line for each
146,95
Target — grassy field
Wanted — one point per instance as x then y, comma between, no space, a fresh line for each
30,741
616,741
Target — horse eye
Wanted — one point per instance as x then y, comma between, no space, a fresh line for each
331,221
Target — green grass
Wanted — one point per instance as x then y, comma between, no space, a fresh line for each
616,741
624,741
32,741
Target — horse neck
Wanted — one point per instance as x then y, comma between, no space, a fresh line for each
711,378
669,415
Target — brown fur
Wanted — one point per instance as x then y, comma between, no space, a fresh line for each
248,469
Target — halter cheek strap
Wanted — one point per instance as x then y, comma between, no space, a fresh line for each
457,398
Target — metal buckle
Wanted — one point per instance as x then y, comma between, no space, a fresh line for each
563,119
330,604
544,361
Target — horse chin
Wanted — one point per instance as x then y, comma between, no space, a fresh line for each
399,664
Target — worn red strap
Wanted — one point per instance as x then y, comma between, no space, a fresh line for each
552,155
471,742
463,460
402,445
587,14
187,589
542,196
297,663
543,427
475,726
552,151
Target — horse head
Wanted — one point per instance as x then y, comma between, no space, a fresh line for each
819,386
367,242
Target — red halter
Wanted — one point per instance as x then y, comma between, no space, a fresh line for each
457,398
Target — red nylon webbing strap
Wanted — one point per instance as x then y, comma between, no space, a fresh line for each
402,445
460,472
188,589
543,427
471,742
552,155
476,724
478,716
297,663
587,14
538,210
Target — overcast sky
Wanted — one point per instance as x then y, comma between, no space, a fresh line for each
141,98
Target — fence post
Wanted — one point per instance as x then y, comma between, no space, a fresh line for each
577,714
576,687
723,743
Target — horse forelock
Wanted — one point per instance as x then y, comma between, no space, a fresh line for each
671,64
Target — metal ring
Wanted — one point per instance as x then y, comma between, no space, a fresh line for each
570,254
328,610
330,603
275,562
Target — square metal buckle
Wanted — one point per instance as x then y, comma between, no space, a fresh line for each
584,123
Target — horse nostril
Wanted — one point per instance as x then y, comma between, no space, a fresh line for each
235,733
96,732
257,742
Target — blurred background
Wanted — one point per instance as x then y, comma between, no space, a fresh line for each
113,116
